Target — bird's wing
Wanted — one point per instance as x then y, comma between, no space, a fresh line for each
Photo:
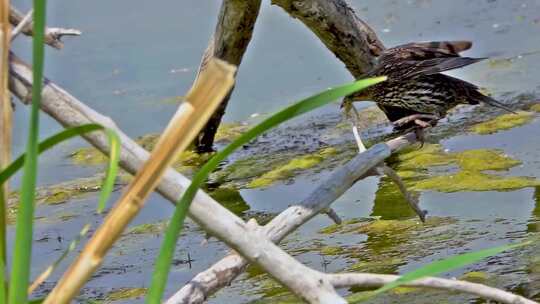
435,65
433,49
422,58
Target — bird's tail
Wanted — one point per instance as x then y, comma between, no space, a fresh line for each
471,94
492,102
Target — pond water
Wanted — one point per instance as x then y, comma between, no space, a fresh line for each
135,56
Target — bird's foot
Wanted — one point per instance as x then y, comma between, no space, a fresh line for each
418,119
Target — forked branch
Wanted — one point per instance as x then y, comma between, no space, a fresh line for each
53,35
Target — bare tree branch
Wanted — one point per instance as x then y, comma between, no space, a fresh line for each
22,24
53,36
249,240
377,280
338,27
233,33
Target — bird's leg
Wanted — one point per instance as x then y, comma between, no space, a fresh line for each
420,136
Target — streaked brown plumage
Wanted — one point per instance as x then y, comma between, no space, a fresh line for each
415,84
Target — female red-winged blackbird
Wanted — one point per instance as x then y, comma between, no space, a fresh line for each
416,91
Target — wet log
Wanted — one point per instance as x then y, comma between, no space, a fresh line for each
231,38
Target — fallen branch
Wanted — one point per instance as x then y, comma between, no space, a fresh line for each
53,36
377,280
249,240
23,23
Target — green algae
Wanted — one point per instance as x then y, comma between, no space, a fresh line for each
404,290
285,171
148,228
331,250
475,277
414,166
413,159
148,141
388,226
396,227
433,155
484,159
375,265
503,122
246,168
269,287
254,270
474,181
230,198
88,156
227,132
535,107
263,170
63,192
289,169
389,203
126,293
339,227
56,194
57,197
187,162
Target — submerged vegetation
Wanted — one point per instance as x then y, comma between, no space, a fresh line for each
503,122
432,168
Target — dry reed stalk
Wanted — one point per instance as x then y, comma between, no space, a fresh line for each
206,94
5,112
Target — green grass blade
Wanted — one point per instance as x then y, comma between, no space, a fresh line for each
45,145
112,171
22,254
445,265
3,295
163,262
